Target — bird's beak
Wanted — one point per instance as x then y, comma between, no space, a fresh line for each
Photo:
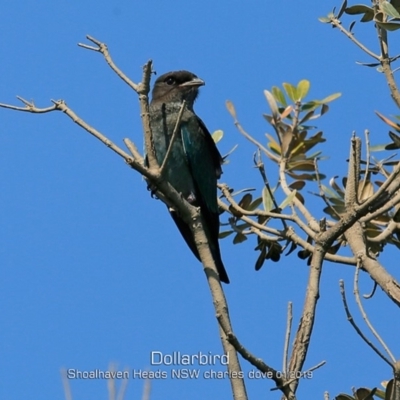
194,82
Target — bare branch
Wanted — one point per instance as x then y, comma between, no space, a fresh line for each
29,107
103,49
256,361
66,385
260,165
173,137
383,193
143,91
365,316
288,234
354,325
62,106
134,151
351,194
386,64
146,389
304,331
336,23
287,336
319,365
254,141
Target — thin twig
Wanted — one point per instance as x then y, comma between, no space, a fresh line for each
257,362
122,388
288,234
146,389
173,137
355,326
143,91
111,384
66,385
336,23
287,336
319,365
134,151
260,166
103,49
254,141
366,173
386,60
302,208
62,106
305,329
29,107
365,316
383,192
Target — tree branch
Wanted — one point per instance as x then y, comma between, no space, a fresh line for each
355,326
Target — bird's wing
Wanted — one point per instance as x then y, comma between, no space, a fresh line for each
204,161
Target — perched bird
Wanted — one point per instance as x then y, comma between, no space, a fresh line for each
194,163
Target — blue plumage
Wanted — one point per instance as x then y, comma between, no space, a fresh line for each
194,164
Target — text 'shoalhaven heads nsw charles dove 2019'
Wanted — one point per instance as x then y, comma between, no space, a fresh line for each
194,163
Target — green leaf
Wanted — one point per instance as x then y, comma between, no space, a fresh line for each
310,106
239,238
330,98
367,17
224,234
324,20
358,9
395,138
324,109
255,204
288,200
261,259
388,9
298,185
365,394
268,202
273,145
390,388
389,26
291,91
342,8
217,135
272,103
368,64
243,191
246,201
307,117
229,153
388,121
279,96
302,89
378,147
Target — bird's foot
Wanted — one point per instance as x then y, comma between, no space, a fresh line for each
153,191
191,199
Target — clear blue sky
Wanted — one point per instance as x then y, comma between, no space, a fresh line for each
93,270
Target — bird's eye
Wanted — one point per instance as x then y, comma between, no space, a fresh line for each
170,80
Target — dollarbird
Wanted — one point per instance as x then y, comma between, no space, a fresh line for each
194,163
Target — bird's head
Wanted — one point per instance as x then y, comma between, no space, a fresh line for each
177,86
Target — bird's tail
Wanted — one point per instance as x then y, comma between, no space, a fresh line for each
185,231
